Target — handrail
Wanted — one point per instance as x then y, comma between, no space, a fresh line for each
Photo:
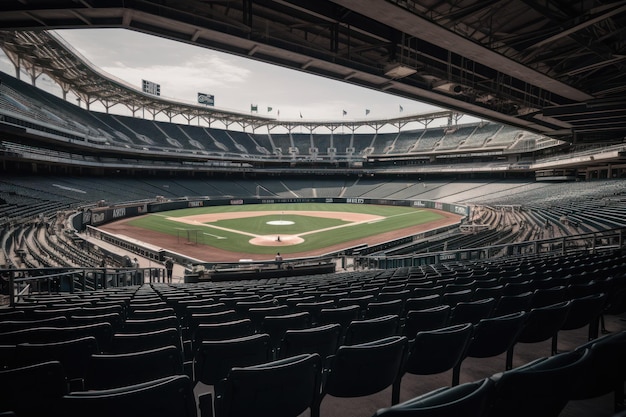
75,279
560,245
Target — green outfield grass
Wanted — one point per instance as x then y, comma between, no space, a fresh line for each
394,218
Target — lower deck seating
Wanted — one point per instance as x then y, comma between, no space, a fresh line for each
293,294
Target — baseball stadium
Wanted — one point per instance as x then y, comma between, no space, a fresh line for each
171,257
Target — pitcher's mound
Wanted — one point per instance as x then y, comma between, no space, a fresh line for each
276,240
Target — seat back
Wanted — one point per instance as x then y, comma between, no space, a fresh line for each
150,324
214,359
137,342
584,310
548,296
73,354
115,319
22,324
221,331
426,319
257,315
107,371
314,308
542,387
455,297
421,303
340,315
323,340
440,350
508,304
544,322
471,399
472,311
44,381
197,319
276,326
365,368
152,313
101,331
282,388
361,331
166,397
384,308
608,367
494,336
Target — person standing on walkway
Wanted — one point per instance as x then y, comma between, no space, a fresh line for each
169,266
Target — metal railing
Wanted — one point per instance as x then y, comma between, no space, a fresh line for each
22,283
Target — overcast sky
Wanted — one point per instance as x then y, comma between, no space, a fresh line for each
237,83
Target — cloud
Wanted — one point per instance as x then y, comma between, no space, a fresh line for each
183,70
201,73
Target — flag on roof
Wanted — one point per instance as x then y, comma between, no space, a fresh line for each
269,109
345,112
301,115
367,111
254,107
401,109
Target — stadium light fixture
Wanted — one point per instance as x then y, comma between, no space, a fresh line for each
397,71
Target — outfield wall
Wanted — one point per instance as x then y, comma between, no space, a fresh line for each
99,216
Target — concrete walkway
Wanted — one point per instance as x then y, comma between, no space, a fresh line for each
178,272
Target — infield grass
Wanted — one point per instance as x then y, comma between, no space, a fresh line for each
214,233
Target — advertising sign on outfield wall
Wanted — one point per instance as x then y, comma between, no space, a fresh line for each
97,217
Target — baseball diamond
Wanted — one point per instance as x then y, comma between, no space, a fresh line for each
231,233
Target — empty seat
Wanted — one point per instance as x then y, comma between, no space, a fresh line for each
106,371
453,298
73,354
435,351
542,324
214,359
493,336
286,387
472,399
276,326
151,324
472,311
115,319
384,308
33,390
426,319
323,340
220,331
607,371
421,303
361,331
257,315
165,397
314,308
542,387
584,311
137,342
153,313
508,304
366,368
21,324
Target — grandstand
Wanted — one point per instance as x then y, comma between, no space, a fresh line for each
537,253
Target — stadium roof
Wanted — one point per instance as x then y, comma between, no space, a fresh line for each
557,67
